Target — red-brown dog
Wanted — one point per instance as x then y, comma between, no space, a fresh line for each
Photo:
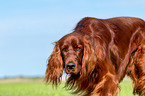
98,54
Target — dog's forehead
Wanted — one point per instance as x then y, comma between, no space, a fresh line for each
70,38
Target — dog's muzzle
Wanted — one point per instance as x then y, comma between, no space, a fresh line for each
70,66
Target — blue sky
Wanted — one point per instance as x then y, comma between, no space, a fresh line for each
28,28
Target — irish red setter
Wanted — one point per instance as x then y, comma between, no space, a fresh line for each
98,54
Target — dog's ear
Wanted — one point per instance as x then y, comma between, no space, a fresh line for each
100,52
55,66
89,58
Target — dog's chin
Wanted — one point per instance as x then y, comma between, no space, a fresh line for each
72,72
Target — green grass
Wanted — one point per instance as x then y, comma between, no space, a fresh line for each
42,89
31,89
126,89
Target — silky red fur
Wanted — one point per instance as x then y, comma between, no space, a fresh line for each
109,49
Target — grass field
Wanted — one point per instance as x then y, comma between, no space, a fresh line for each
37,88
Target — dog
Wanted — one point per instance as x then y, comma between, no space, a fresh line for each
98,54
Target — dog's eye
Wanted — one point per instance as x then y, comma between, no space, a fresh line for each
77,48
64,50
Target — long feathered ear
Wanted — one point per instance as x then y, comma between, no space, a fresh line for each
55,67
89,58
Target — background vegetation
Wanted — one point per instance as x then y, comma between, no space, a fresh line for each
36,87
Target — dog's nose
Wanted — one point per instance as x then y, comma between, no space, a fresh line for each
70,65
